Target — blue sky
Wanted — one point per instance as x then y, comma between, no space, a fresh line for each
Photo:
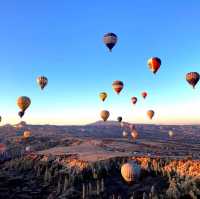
63,41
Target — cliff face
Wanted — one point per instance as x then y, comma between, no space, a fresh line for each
67,176
185,167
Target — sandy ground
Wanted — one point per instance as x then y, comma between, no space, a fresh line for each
90,151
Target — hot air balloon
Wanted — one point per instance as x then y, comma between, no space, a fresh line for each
192,78
134,100
42,81
28,148
117,86
144,94
27,134
2,147
171,133
119,119
104,115
134,134
23,103
125,134
150,114
103,96
154,64
130,172
110,39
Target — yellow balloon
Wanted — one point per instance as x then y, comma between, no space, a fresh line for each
103,96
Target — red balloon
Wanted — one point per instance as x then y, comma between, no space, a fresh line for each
144,94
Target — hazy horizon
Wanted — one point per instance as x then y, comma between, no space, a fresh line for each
93,122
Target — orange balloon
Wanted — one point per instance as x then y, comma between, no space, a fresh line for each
134,134
130,172
154,64
150,114
27,134
104,115
23,102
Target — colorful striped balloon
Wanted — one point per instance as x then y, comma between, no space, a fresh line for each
110,39
154,64
192,78
130,172
42,81
117,86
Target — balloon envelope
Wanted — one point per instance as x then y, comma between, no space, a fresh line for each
110,39
23,102
150,114
154,64
117,86
27,134
134,100
171,133
192,78
144,94
104,115
42,81
125,134
28,148
103,96
119,119
134,134
130,172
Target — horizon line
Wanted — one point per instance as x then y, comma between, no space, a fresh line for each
137,123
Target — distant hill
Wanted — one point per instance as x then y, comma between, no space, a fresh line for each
102,123
100,129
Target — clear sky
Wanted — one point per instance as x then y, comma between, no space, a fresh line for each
63,41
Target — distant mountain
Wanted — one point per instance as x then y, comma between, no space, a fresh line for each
100,129
102,123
